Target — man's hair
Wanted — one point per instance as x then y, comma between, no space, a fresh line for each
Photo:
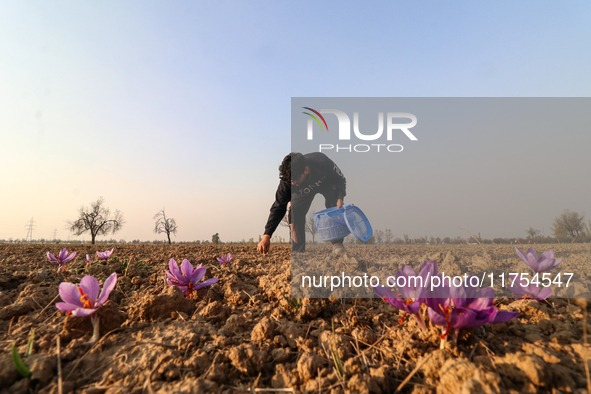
293,165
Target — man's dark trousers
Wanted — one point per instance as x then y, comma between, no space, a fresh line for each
300,204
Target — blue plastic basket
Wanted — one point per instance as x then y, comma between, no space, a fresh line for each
330,224
335,223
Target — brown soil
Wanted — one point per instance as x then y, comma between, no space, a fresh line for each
244,333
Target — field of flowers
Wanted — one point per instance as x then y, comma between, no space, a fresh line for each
219,323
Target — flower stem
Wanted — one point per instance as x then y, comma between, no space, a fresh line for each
420,320
443,338
95,325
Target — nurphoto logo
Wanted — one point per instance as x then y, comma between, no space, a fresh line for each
344,130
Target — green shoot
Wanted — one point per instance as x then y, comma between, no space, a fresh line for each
18,362
339,367
126,266
140,266
30,344
296,303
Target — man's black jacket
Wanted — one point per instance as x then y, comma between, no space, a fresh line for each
323,174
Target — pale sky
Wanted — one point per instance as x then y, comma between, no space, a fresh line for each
186,105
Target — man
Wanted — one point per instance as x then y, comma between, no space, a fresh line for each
302,177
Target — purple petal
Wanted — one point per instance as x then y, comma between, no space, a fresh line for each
436,318
207,282
414,307
517,290
383,292
63,254
170,276
108,286
220,260
548,264
66,307
532,258
545,293
463,318
70,257
549,254
81,312
458,296
407,291
88,258
187,269
480,304
90,286
386,294
229,257
427,270
174,269
532,252
198,274
533,264
51,257
69,293
407,270
504,316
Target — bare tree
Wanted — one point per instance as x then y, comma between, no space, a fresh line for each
568,223
164,225
310,228
379,235
388,237
532,232
96,219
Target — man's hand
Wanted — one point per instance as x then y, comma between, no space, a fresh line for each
339,203
265,244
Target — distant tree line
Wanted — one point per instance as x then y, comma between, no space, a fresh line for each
97,220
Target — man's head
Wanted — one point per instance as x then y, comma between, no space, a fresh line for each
293,169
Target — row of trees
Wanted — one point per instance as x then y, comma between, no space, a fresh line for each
569,226
98,220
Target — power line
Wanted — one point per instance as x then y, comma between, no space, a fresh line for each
55,235
30,226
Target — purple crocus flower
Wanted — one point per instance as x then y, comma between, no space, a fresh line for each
88,258
84,299
61,258
224,259
187,277
544,263
532,291
413,289
464,307
105,255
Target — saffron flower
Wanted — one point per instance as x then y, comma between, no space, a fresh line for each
88,258
532,291
464,307
413,290
105,255
61,258
187,277
543,263
224,259
84,299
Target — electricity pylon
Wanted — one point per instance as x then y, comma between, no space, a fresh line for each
30,227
